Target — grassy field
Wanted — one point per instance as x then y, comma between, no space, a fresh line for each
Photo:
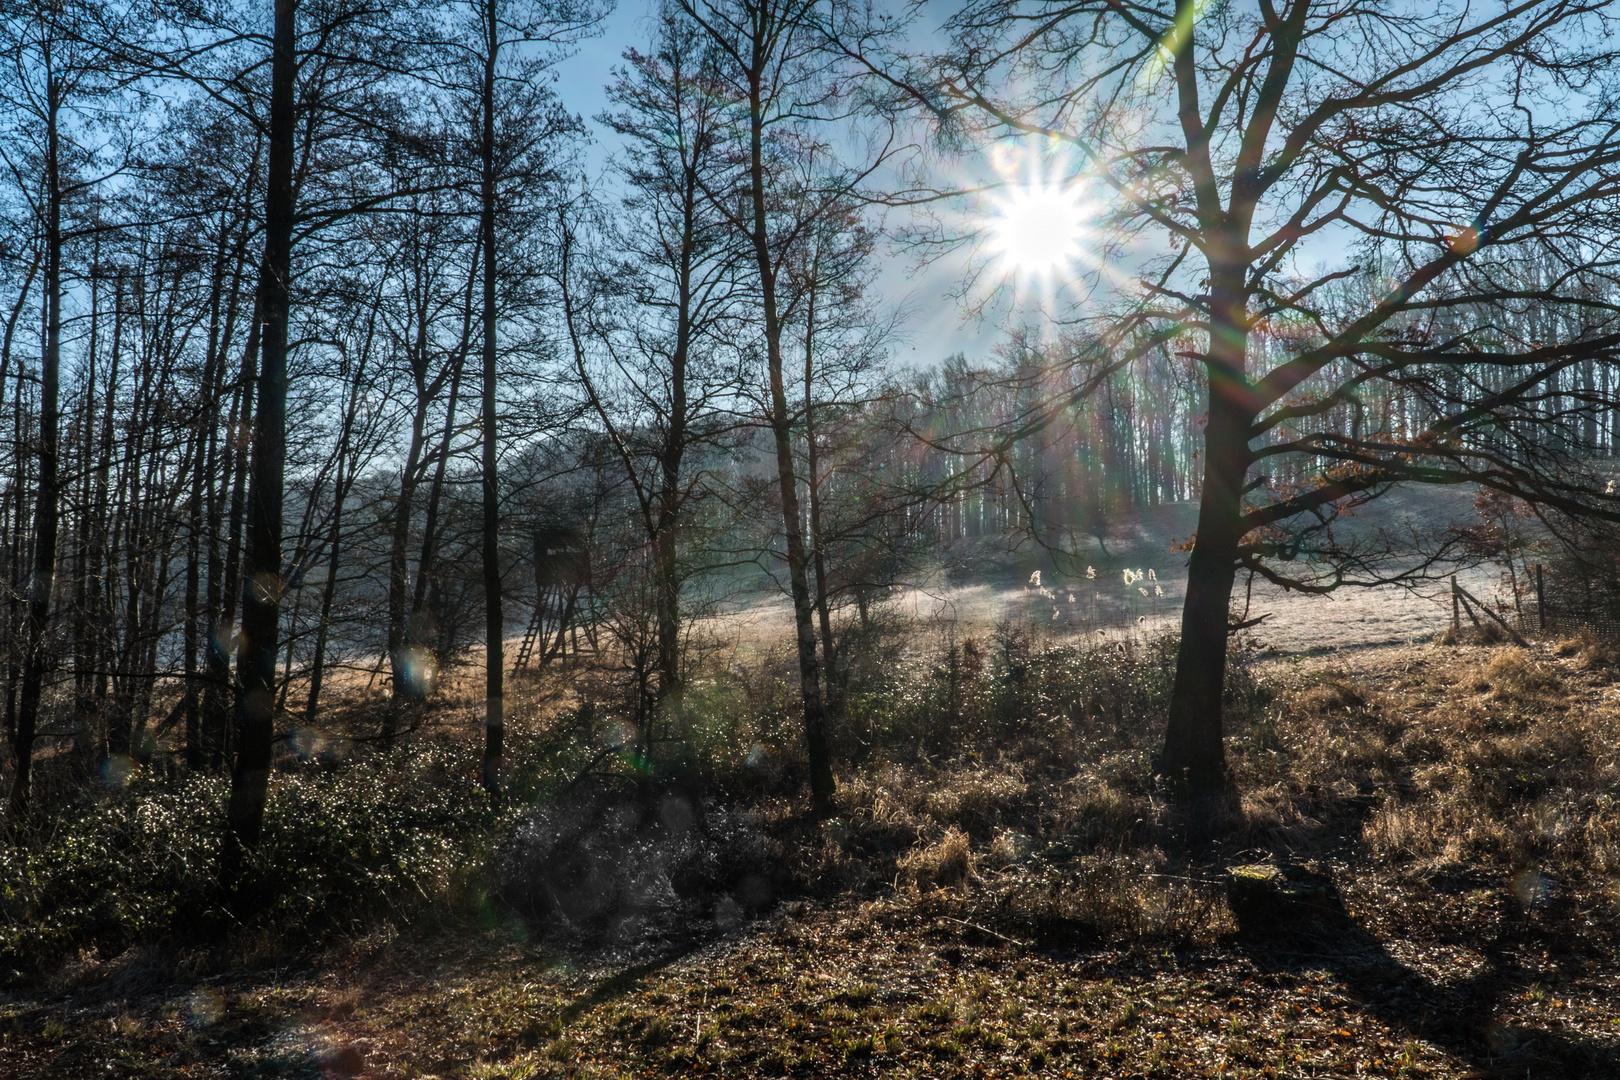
1004,892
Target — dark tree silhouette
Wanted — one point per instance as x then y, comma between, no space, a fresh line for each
261,564
1324,200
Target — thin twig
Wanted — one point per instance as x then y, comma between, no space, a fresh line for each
983,930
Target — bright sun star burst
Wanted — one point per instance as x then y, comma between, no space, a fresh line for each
1038,228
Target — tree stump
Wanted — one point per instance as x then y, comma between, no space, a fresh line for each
1267,899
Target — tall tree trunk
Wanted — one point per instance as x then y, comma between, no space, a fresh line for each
218,706
219,612
425,563
129,532
815,735
12,629
46,507
261,592
81,543
668,599
812,478
104,555
191,706
430,520
407,681
152,636
203,505
666,553
16,612
16,632
1194,758
494,622
410,682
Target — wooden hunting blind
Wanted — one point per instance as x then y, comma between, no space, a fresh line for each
561,556
562,579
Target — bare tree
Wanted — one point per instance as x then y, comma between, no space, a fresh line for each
1319,201
49,75
261,567
788,87
653,320
504,48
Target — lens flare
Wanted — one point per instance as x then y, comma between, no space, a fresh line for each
307,743
117,771
204,1007
1531,888
418,671
1039,228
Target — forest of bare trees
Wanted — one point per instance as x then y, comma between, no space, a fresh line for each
335,354
256,346
843,477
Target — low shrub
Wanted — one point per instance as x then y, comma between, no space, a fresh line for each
340,850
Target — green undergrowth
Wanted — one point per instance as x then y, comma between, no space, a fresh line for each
994,749
341,849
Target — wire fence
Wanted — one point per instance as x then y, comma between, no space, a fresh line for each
1554,604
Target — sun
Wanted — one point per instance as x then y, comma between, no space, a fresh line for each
1038,229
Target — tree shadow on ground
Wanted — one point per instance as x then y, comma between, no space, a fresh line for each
624,981
1462,1017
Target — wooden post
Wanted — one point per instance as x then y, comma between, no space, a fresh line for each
1471,602
1456,607
1541,601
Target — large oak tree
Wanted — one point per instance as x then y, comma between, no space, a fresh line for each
1327,203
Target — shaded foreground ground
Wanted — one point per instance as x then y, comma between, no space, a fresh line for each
841,990
1462,800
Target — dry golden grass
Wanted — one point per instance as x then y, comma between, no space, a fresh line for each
1042,911
946,863
1591,651
1485,758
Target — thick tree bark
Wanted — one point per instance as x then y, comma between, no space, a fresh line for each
1194,757
261,589
494,621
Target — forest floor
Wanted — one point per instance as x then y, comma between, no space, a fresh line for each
1430,962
